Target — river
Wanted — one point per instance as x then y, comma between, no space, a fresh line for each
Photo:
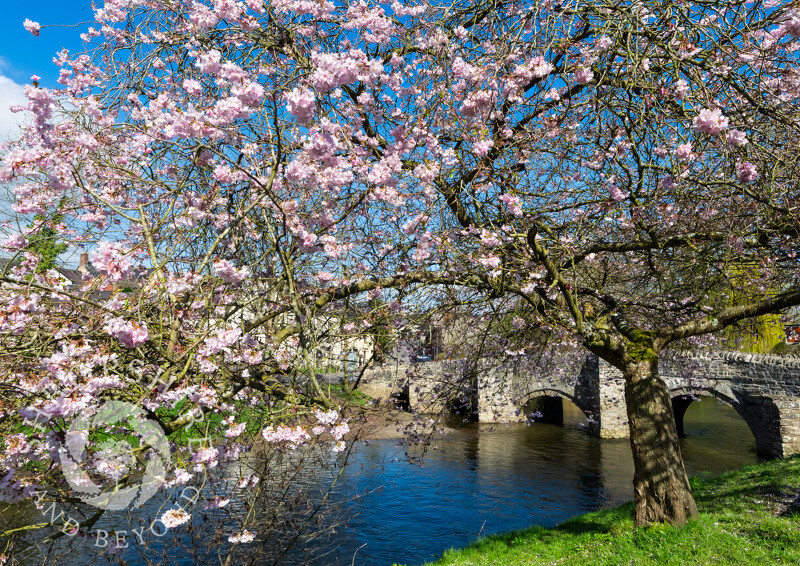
487,480
482,480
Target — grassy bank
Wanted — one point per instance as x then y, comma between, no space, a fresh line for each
749,516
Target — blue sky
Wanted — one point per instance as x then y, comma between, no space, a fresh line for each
23,55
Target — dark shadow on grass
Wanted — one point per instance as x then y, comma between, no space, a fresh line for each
726,495
597,523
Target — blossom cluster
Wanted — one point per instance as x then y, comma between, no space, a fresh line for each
130,334
295,437
111,260
710,121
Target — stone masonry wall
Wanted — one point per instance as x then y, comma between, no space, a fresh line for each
613,413
495,397
764,389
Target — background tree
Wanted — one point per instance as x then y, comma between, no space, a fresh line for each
46,245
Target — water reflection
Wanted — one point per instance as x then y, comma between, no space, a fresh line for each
717,438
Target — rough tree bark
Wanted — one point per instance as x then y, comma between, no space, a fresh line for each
661,487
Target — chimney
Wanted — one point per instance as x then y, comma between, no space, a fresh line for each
84,265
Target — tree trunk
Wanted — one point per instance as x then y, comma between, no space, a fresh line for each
661,487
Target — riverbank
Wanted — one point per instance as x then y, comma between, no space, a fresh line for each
748,516
382,424
381,421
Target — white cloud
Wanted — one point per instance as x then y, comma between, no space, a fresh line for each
11,94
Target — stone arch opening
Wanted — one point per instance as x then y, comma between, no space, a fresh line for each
679,405
547,406
401,398
759,413
682,398
464,405
546,409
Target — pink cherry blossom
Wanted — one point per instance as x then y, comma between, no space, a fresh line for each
489,239
130,334
336,69
248,481
202,16
340,430
216,502
736,138
15,242
301,103
192,86
584,75
683,152
205,457
111,260
31,26
746,172
286,436
513,203
226,270
228,10
477,103
710,121
236,430
553,94
681,89
251,93
174,518
617,194
603,43
668,183
489,261
209,62
482,147
244,537
791,24
316,8
540,67
326,418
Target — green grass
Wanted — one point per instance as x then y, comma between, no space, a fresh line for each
749,517
352,397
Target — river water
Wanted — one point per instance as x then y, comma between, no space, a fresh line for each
483,480
486,481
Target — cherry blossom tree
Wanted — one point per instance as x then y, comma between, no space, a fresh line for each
223,229
237,170
622,169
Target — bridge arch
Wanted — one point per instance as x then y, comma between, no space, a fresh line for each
556,411
760,413
682,397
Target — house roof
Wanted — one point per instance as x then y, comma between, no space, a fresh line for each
73,276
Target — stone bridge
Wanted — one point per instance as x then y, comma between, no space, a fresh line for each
763,389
